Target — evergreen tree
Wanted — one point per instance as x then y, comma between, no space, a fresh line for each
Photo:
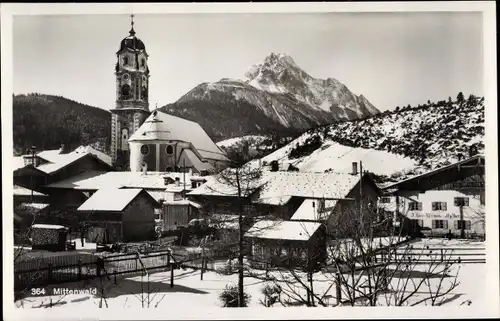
460,97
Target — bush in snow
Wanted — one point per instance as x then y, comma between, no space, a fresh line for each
224,268
229,297
272,294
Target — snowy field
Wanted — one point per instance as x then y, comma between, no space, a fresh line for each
233,141
339,158
190,291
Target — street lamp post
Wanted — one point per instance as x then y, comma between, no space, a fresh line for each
32,150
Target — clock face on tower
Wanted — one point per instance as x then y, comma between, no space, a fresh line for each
125,77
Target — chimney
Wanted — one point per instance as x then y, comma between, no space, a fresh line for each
354,168
472,151
63,149
459,156
177,181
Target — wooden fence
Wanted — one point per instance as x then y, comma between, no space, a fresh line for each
72,268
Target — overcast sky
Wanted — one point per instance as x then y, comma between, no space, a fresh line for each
391,58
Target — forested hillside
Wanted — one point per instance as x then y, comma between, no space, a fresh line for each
48,121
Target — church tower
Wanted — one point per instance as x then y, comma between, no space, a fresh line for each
132,104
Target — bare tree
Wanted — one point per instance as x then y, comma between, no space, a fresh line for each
238,183
371,262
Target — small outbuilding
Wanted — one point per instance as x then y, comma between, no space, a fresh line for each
119,215
292,244
49,237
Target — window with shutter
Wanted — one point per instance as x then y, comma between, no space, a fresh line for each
482,199
466,225
439,206
439,224
385,200
415,206
461,201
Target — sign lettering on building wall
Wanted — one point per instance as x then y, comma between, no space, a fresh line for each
420,215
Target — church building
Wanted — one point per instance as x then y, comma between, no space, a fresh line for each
165,143
157,142
132,104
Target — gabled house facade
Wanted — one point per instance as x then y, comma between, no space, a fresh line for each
447,200
120,215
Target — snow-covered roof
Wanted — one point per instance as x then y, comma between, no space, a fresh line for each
94,180
60,162
89,149
309,210
48,226
307,185
173,188
183,202
21,191
110,199
195,161
17,162
478,157
157,195
283,230
57,160
277,188
49,155
223,185
36,206
339,158
224,221
165,127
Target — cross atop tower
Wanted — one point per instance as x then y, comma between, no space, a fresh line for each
132,31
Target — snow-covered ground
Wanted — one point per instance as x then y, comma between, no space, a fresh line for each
190,291
339,158
233,141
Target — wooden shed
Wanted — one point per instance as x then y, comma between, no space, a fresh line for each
119,215
292,244
49,237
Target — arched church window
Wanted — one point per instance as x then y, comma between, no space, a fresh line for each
137,90
125,61
144,150
169,149
125,91
143,62
124,139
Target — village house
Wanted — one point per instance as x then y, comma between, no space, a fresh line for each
46,167
168,189
290,202
128,215
156,151
447,199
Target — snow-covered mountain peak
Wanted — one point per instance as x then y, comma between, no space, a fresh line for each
280,74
